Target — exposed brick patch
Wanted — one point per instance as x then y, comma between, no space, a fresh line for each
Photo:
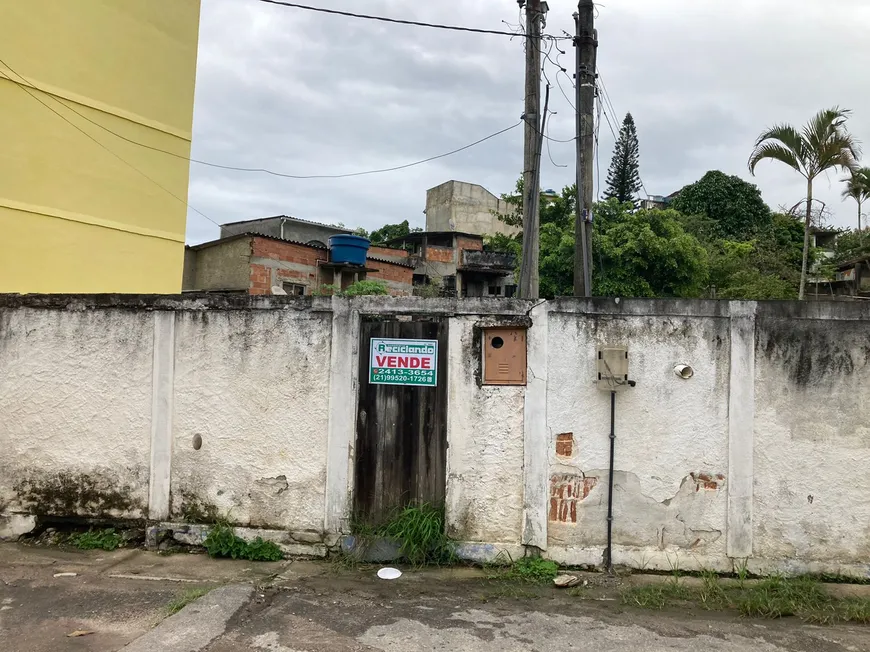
566,490
708,481
565,444
471,244
440,254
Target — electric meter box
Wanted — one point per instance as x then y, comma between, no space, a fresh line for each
612,368
504,356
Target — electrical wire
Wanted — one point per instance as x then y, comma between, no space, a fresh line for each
257,170
117,156
398,21
613,111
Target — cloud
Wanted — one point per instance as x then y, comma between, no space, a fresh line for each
308,93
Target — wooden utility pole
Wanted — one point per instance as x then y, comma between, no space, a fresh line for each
586,44
529,274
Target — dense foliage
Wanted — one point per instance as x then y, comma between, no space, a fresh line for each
734,206
741,251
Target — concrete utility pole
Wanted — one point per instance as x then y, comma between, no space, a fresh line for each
586,43
529,274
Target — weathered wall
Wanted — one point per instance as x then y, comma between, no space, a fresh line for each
812,435
253,385
671,446
223,266
75,403
465,207
760,457
484,473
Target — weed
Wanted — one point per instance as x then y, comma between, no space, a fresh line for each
418,529
855,610
712,595
180,602
774,597
778,596
223,542
656,596
532,570
106,539
742,572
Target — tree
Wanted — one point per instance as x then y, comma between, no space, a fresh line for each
823,144
391,231
623,177
645,253
858,188
734,206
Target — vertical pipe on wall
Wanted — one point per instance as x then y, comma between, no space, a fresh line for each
608,555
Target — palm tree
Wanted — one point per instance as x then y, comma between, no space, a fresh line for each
858,188
823,144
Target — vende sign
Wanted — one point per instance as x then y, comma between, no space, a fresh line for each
404,362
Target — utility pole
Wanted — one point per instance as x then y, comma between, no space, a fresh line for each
529,273
586,44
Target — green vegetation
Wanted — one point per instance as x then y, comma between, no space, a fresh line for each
357,289
180,602
106,539
420,531
774,597
223,542
530,570
823,144
623,177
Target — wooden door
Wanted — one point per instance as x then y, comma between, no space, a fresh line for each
401,436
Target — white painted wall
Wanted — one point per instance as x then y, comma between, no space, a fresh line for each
485,454
75,402
666,429
254,385
761,456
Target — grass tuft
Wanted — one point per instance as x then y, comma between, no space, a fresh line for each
106,539
774,597
223,542
181,601
530,570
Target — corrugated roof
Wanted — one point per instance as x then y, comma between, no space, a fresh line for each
212,243
290,217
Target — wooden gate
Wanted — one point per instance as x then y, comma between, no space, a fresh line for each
401,433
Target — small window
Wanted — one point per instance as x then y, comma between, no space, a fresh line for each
495,290
294,289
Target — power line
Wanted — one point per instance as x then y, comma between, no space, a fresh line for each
260,170
86,134
615,137
398,21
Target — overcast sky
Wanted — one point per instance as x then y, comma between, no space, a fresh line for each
308,93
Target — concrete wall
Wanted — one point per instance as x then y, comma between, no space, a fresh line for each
465,207
95,214
222,266
759,458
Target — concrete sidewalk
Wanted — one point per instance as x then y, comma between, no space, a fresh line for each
305,606
48,593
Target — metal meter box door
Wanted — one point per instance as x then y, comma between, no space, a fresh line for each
504,356
612,368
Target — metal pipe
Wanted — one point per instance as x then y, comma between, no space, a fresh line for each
608,558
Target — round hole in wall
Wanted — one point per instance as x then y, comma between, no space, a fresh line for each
197,442
497,342
684,371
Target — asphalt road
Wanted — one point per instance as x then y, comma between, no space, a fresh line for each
121,599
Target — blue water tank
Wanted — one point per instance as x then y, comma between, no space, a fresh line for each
348,249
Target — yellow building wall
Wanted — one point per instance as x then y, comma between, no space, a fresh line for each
89,212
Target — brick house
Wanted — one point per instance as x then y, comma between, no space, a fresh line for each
255,263
458,263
